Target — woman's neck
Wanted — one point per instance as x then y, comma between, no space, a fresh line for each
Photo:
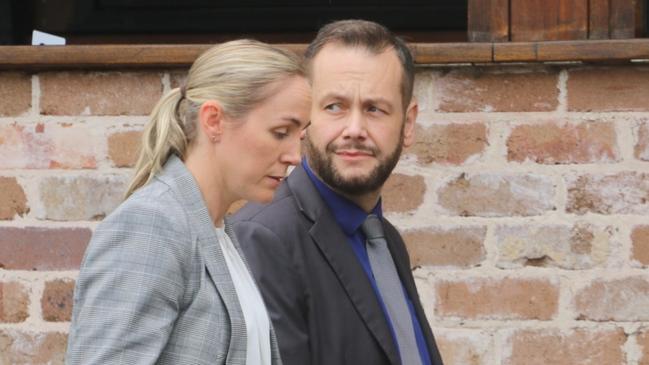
211,185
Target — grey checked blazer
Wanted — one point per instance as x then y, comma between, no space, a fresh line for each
154,287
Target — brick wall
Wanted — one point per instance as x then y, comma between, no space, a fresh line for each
524,203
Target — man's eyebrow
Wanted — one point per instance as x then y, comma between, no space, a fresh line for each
333,95
369,100
377,100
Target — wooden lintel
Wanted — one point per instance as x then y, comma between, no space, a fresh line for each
172,56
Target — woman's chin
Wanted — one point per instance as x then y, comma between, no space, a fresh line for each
262,198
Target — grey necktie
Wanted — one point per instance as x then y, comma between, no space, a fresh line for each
387,280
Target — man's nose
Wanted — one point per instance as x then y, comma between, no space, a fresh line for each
356,126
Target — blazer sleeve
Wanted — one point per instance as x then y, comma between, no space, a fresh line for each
130,287
280,283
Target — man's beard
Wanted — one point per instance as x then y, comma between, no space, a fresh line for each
322,164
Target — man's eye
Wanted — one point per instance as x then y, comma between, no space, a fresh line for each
333,108
373,109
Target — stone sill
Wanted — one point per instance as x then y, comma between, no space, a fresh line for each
169,56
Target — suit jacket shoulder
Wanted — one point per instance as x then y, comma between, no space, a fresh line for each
154,277
321,302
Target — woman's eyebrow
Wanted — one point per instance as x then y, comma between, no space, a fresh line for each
297,122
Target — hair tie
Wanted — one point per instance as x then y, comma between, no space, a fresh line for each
183,95
183,91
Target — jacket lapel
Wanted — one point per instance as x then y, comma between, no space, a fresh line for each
181,181
274,347
333,244
403,268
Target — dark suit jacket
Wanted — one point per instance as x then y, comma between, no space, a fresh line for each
320,300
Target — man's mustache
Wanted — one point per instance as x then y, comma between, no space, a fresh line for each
333,148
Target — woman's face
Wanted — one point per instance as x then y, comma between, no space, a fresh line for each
263,143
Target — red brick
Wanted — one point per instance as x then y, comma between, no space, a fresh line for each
608,89
640,241
643,342
581,246
12,199
402,193
40,146
42,249
641,150
424,90
124,147
19,347
625,299
446,247
464,347
70,198
57,301
99,93
550,143
618,193
569,347
15,94
14,302
492,195
482,298
498,90
449,144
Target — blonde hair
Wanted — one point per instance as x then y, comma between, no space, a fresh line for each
237,74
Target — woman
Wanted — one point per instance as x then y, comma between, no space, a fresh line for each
162,280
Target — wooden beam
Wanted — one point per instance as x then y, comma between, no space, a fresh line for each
488,20
107,56
562,51
427,53
172,56
547,20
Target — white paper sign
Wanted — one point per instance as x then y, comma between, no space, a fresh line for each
46,39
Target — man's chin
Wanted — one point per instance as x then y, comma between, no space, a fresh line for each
354,170
354,179
352,183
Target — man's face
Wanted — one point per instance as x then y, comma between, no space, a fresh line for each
358,121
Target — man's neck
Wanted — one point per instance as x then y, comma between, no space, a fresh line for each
366,201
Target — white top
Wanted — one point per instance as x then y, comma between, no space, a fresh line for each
252,305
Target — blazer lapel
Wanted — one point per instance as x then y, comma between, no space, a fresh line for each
181,181
335,248
274,347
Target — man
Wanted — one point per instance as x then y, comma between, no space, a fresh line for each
336,294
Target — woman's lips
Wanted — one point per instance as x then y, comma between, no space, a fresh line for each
275,180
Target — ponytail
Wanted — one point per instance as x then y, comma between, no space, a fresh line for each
162,136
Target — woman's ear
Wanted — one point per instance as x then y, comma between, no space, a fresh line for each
211,120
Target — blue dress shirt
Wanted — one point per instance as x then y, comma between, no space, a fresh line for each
350,217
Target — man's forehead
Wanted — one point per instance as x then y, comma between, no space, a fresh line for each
334,49
354,62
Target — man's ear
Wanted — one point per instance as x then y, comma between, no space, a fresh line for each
211,120
409,123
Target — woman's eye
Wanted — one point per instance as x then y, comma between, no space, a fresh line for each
280,133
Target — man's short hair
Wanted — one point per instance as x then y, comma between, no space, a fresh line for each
373,37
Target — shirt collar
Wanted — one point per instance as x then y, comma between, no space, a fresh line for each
347,214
